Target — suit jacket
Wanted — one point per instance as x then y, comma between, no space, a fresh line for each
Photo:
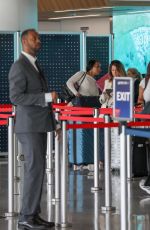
27,88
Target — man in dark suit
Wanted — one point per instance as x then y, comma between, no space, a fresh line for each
34,118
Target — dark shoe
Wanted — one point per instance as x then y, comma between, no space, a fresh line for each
31,224
39,220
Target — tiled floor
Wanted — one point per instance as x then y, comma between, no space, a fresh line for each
84,207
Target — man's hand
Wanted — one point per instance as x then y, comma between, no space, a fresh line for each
58,133
54,96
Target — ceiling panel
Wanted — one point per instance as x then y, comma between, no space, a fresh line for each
76,8
52,5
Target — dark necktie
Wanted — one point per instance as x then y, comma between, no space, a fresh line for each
42,78
38,67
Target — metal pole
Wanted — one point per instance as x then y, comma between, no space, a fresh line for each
11,224
20,169
50,212
96,211
108,190
64,184
74,146
96,155
129,157
57,214
108,221
57,163
16,178
49,169
11,212
123,179
129,206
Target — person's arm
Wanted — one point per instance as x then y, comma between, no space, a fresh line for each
71,81
141,92
104,96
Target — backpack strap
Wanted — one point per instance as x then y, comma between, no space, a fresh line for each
83,75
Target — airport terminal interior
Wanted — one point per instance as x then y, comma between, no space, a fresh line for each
97,164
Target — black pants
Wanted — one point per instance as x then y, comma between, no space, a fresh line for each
34,147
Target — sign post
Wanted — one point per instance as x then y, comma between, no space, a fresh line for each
123,111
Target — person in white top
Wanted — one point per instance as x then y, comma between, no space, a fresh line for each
88,85
144,92
144,96
116,69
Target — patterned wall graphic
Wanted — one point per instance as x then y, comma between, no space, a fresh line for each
98,47
131,40
6,59
59,58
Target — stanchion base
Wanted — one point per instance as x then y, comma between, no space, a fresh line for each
95,189
64,225
108,208
11,214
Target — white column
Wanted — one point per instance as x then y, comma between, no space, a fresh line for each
17,15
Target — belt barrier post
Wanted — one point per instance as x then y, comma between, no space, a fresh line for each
16,177
15,164
64,176
11,211
108,221
74,147
129,205
49,169
96,211
20,159
96,155
50,210
57,214
57,161
108,190
11,224
123,179
129,157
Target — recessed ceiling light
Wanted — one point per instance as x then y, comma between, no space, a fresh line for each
140,11
83,9
77,16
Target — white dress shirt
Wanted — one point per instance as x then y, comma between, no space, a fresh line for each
32,60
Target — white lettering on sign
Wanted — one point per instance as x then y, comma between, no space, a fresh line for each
123,96
123,83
